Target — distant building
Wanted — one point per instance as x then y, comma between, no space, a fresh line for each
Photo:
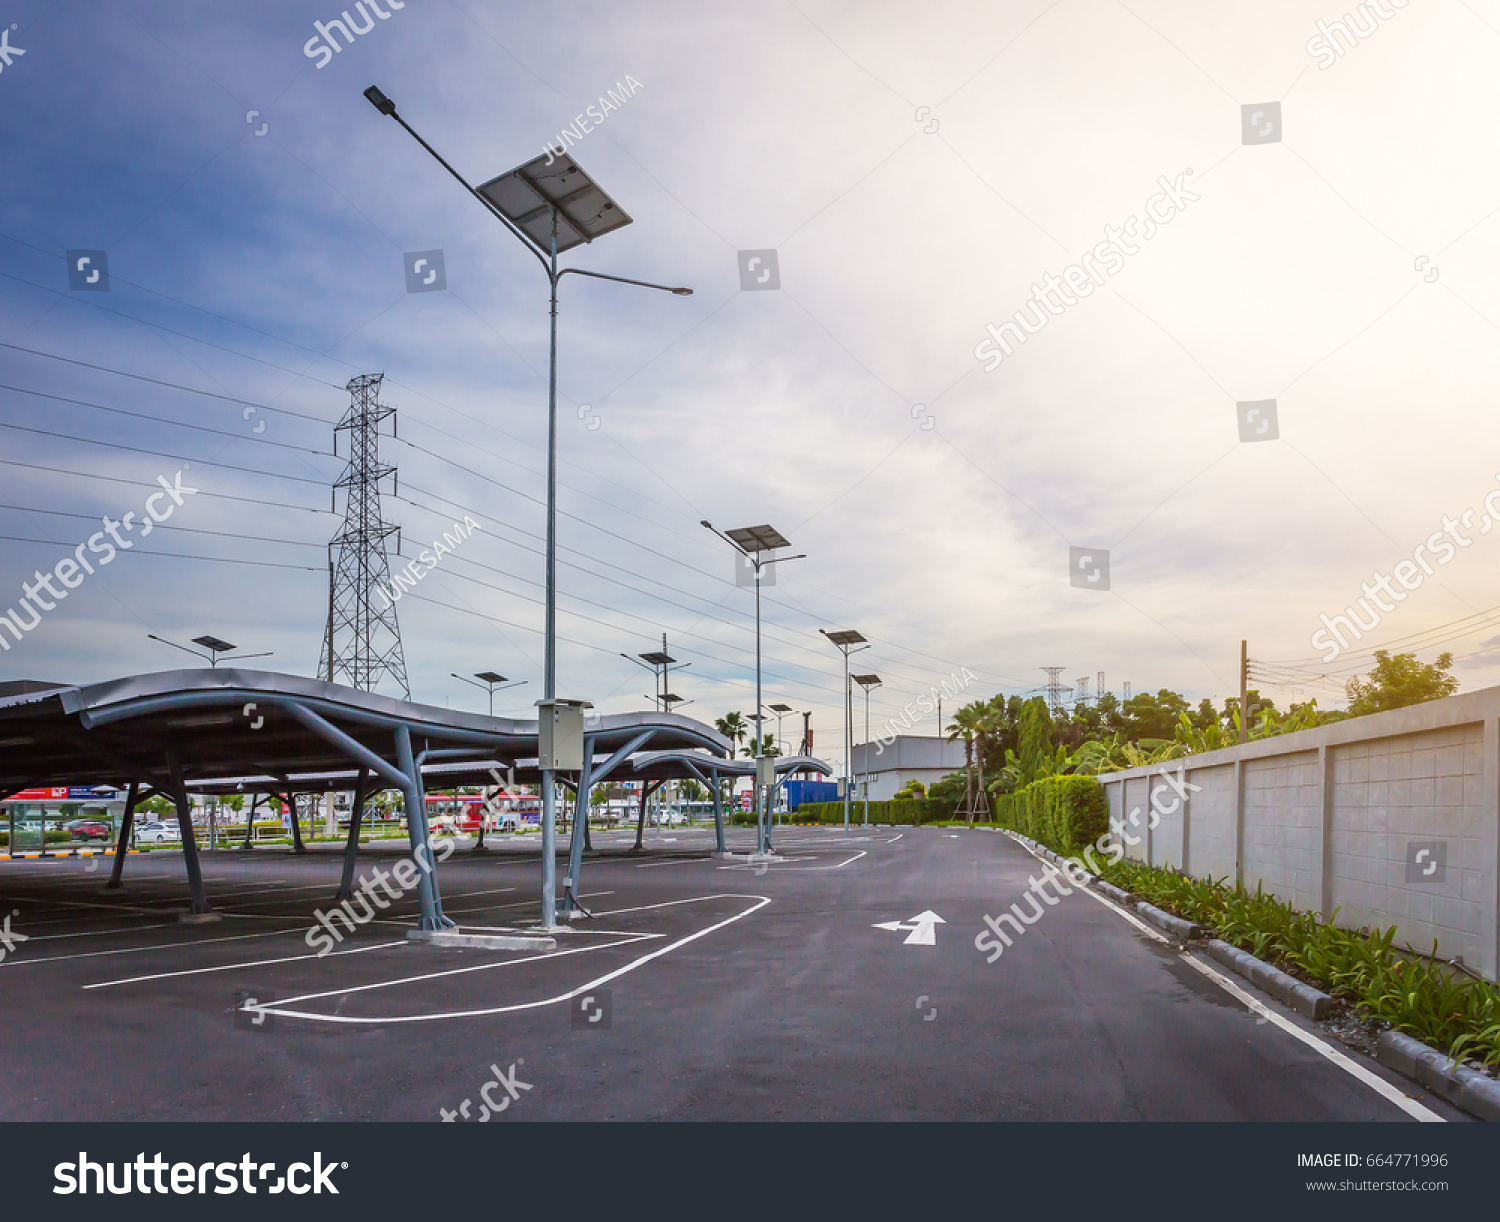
911,757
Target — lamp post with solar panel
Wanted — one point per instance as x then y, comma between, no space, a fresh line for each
847,641
867,682
492,683
753,542
551,206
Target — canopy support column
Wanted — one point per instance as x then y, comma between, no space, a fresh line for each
200,905
250,821
356,814
122,845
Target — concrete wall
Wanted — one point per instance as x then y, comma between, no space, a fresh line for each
1392,819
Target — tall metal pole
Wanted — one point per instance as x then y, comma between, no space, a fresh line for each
867,754
549,675
848,741
760,831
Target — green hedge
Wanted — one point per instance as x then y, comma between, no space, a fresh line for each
901,811
1068,812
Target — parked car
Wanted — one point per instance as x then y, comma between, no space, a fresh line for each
156,833
88,829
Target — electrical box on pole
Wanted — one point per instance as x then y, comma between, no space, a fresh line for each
560,734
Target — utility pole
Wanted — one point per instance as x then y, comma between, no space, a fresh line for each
1244,692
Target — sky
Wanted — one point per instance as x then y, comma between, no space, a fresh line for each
1329,252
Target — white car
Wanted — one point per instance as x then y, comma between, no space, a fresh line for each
156,833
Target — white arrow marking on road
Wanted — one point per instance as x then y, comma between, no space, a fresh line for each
923,928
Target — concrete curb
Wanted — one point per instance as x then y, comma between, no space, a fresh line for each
1476,1093
1182,930
476,941
1303,998
1115,893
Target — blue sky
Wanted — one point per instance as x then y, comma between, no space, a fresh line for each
936,502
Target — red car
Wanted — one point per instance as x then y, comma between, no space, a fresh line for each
88,829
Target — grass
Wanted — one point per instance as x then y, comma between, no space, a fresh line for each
1454,1013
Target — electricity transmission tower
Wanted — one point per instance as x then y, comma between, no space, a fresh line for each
362,643
1054,687
1081,693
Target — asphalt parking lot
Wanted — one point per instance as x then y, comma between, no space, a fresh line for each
700,989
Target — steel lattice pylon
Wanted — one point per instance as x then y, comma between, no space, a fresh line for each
362,642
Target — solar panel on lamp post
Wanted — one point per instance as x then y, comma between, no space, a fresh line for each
213,644
867,682
846,640
750,542
492,683
551,208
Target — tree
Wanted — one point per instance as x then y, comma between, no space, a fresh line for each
732,726
1036,748
1148,716
1400,680
912,789
157,806
767,747
950,788
967,723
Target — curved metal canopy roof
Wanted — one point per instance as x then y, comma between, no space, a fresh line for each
229,724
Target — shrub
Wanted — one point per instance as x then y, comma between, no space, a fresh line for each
1067,812
906,812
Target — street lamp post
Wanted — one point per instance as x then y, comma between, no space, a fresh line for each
848,641
213,644
867,682
752,542
551,206
658,662
780,710
492,683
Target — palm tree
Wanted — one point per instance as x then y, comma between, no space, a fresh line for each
988,719
732,726
967,724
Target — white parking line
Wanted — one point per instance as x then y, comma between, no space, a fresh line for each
761,867
140,950
230,967
280,1007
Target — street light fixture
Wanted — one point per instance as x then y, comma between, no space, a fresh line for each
867,682
751,542
658,662
550,208
848,641
492,683
213,644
